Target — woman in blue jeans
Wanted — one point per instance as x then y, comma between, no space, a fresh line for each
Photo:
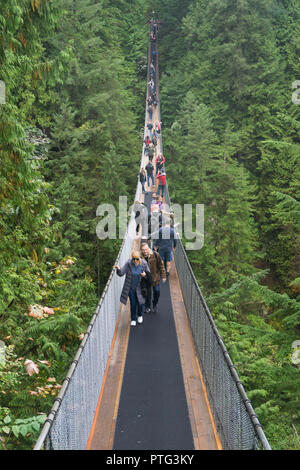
143,178
135,269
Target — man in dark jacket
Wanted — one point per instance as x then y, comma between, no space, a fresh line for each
141,216
149,169
142,177
150,128
159,161
151,151
165,242
157,271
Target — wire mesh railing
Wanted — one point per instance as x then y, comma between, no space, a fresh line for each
70,419
236,422
69,422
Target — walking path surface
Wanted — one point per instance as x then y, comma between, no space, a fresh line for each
153,412
153,397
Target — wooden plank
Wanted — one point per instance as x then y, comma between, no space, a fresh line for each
202,423
103,429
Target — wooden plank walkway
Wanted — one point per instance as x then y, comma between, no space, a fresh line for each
203,429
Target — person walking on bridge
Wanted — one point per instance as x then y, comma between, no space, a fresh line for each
162,183
135,269
154,138
158,128
158,272
141,216
152,70
150,129
142,177
147,142
151,151
154,99
159,162
151,85
165,242
149,169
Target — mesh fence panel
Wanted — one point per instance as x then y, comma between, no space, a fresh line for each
71,426
235,427
75,406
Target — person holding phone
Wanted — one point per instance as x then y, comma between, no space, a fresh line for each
135,269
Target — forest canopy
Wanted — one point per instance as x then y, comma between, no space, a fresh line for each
70,139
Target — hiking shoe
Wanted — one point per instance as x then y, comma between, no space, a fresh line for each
133,323
147,310
140,319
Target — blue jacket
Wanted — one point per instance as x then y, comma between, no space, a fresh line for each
126,269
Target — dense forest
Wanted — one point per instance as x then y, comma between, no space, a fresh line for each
70,139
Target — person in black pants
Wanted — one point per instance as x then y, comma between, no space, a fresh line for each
150,169
157,270
143,178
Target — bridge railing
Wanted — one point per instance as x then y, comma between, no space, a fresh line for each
237,424
69,422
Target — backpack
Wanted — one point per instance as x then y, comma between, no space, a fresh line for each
151,152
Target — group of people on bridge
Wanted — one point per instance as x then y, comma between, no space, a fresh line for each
150,265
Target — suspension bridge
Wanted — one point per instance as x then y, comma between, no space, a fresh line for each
168,384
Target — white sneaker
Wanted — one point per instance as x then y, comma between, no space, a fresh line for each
133,323
140,319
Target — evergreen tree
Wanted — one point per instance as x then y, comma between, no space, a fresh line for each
238,60
96,146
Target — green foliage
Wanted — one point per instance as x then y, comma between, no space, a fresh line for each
69,141
231,142
95,143
75,75
19,431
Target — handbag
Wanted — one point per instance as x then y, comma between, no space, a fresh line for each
146,283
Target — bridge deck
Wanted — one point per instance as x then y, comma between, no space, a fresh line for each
153,397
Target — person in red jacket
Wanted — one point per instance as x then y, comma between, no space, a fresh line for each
147,142
159,162
162,183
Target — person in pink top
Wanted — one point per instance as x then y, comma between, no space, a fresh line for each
159,162
158,128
